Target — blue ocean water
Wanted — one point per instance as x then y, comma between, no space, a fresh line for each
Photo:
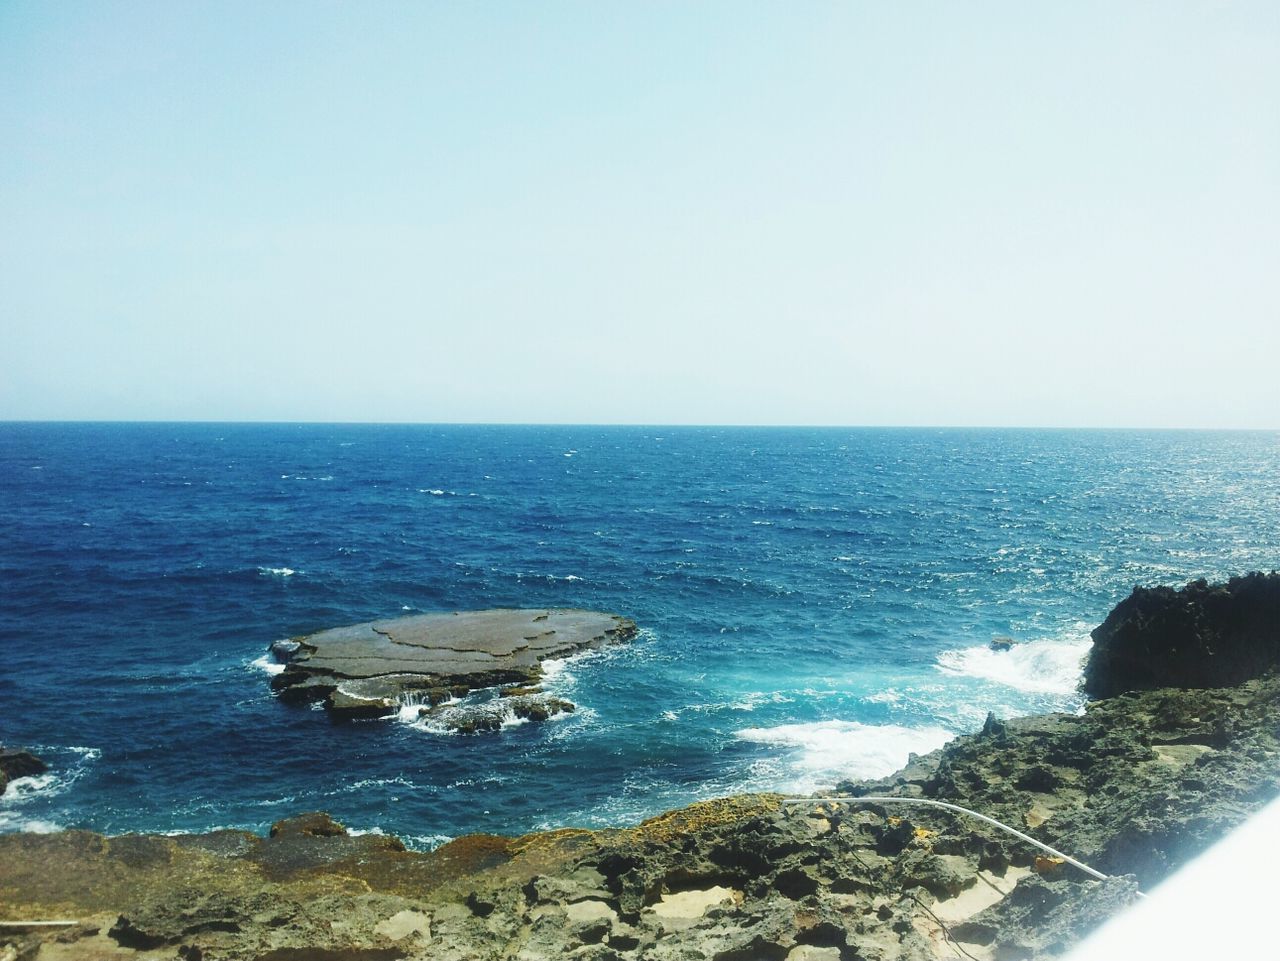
815,603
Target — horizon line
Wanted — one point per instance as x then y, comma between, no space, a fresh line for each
621,424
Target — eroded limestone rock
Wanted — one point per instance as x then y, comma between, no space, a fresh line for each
375,668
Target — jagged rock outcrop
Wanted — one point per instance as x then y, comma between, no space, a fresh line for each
368,670
1204,635
15,764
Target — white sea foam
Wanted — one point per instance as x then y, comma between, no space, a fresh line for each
553,667
1035,667
889,696
24,790
749,702
411,703
424,842
365,784
277,571
470,708
268,664
821,753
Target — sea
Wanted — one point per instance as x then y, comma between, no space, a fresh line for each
814,604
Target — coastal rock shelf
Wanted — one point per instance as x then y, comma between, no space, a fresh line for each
378,667
1137,786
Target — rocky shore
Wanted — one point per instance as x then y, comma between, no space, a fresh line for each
1146,778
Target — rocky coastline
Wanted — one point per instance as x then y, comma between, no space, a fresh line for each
1167,761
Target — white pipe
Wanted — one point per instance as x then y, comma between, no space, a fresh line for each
870,799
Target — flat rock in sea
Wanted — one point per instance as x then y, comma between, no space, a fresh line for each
367,669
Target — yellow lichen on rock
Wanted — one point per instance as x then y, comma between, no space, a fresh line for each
1048,866
703,815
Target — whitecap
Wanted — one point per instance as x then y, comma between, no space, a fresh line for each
749,702
889,696
822,752
376,782
1034,667
277,571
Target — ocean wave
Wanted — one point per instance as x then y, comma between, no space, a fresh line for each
23,789
1033,667
820,753
365,784
749,702
553,667
277,571
446,717
8,824
268,664
40,788
424,842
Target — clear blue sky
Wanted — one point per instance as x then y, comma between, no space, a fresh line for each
847,213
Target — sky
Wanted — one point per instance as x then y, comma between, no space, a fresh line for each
846,213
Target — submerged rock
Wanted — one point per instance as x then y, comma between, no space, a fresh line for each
366,670
1204,635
